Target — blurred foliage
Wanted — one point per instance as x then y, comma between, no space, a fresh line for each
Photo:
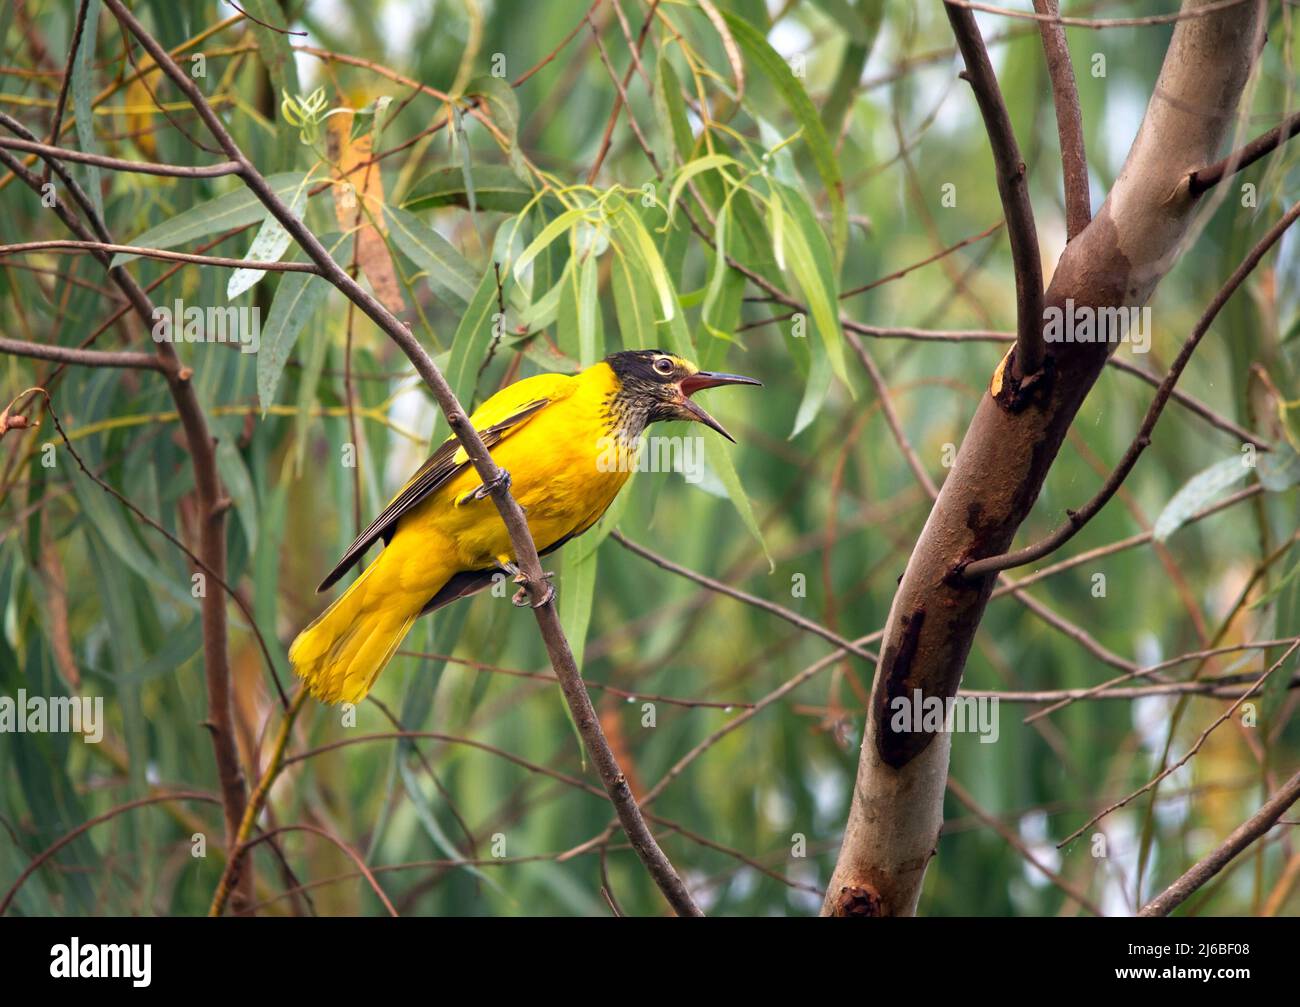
826,174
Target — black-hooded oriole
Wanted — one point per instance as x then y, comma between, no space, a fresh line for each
444,538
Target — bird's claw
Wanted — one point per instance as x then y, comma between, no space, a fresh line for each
521,597
486,489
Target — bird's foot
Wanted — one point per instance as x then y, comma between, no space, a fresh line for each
521,597
486,489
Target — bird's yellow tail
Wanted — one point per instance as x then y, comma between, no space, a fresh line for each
342,652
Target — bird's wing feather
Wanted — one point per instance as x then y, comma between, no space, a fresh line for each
442,466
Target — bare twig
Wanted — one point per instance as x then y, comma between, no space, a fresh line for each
1111,22
118,164
1246,833
1012,188
212,501
1189,754
1204,179
1009,836
82,358
61,245
86,826
792,617
1069,119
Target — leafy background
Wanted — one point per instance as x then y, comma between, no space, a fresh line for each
827,175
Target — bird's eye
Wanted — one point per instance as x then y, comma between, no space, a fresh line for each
664,366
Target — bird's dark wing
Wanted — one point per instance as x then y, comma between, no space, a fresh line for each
441,467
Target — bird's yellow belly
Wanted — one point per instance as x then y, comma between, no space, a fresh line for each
561,475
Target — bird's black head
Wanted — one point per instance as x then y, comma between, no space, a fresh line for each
657,385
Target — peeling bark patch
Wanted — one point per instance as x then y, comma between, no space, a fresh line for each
857,900
1013,394
899,748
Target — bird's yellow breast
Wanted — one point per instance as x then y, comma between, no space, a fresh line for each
564,465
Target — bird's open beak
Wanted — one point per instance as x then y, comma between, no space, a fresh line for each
692,383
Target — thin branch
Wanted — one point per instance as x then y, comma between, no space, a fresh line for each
1193,404
156,253
83,358
1204,179
1189,754
194,557
118,164
792,617
1203,870
621,87
352,855
1009,836
1110,22
575,693
1131,542
61,103
550,57
282,31
891,417
1012,189
234,862
1069,696
899,274
1079,518
86,826
1069,120
619,98
680,766
537,676
1225,687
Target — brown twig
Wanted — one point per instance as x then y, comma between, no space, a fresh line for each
1212,863
1069,119
82,358
1012,189
1189,754
61,103
619,99
891,416
118,164
64,840
1110,22
1204,179
282,31
212,501
790,616
1013,840
59,245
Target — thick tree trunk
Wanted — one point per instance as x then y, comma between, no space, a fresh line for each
1012,440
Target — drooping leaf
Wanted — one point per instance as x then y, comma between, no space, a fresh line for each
809,259
235,209
495,188
591,339
1198,492
270,243
449,276
823,151
473,337
82,103
296,300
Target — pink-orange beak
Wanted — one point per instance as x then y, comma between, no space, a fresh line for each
692,383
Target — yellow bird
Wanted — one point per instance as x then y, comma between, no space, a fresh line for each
567,443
